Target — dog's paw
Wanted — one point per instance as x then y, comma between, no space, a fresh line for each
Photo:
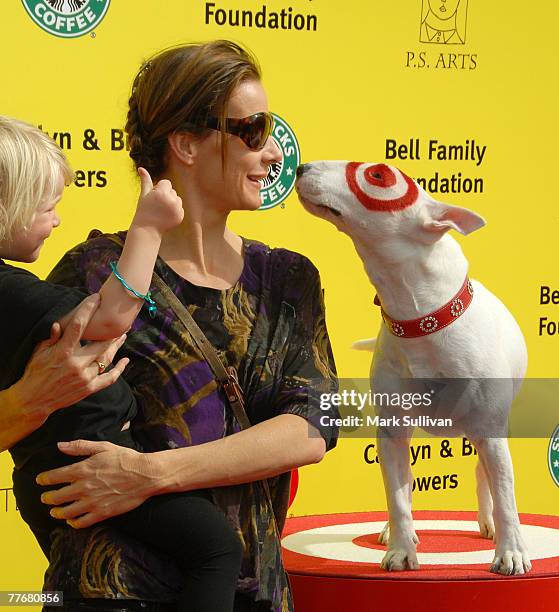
400,559
511,562
486,526
511,554
384,536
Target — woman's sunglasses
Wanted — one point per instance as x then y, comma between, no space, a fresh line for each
253,130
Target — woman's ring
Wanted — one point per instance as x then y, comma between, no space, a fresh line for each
101,367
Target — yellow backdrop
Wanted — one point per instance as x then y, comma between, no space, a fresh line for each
363,80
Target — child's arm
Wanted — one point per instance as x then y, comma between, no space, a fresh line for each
159,209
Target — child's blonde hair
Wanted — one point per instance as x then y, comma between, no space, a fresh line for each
30,163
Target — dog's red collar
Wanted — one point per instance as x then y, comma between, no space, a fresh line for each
434,321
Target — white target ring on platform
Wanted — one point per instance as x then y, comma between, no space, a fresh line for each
336,542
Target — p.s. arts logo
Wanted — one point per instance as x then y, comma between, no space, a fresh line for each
67,18
553,456
281,179
443,23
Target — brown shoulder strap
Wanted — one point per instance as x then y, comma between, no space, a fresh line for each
227,377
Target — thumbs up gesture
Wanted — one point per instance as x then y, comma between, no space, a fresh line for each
159,206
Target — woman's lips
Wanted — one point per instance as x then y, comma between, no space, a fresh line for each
257,180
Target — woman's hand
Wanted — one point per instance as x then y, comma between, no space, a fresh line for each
61,372
112,481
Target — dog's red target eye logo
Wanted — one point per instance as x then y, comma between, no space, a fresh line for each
380,187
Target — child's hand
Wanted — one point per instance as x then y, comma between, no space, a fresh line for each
159,207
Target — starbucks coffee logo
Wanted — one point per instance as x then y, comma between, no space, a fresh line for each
67,18
281,179
553,456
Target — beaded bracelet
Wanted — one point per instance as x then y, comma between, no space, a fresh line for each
152,308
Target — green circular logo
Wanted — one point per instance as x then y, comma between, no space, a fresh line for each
67,18
281,179
553,455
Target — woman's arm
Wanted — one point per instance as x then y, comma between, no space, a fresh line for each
114,479
265,450
159,209
60,373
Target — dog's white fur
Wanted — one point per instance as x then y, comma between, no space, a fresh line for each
416,267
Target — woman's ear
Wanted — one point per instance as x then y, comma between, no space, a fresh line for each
183,146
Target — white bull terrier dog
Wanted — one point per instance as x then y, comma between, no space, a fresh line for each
437,325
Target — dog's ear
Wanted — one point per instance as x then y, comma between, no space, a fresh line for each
444,217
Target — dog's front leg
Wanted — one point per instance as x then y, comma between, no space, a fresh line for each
394,462
384,535
511,554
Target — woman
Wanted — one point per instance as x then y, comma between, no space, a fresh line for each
199,117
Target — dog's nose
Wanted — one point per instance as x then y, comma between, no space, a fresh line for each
301,169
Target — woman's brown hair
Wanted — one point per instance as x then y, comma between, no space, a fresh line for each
178,89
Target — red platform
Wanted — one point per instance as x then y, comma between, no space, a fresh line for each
333,564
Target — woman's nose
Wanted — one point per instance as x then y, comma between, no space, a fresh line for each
272,152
